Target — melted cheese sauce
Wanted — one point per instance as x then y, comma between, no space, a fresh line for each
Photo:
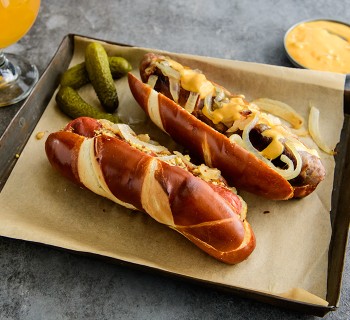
320,45
229,112
196,82
192,80
275,148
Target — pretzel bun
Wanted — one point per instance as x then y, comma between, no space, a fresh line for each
239,167
179,101
98,155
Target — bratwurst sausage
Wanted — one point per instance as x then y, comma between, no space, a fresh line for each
281,158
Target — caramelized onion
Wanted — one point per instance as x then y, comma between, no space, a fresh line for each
298,159
288,173
191,102
167,157
152,80
209,174
130,136
315,131
208,102
235,138
220,94
168,71
280,109
207,106
174,86
239,124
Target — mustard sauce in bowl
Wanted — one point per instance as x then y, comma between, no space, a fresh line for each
320,45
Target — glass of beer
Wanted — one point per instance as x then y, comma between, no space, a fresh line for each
17,75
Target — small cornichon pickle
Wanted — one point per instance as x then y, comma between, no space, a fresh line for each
97,67
77,76
119,67
70,103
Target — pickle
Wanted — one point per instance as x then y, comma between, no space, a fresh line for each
119,67
97,67
70,103
77,76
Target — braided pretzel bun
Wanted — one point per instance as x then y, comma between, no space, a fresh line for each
99,156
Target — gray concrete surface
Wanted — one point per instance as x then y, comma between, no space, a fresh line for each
37,282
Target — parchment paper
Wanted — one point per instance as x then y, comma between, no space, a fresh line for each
39,205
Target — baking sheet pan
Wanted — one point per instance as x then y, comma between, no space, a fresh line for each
19,130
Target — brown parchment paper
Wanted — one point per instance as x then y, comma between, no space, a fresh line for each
39,205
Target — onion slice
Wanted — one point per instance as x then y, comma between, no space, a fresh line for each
167,158
191,102
297,156
236,138
280,109
314,130
152,80
288,173
168,71
209,174
130,136
207,107
185,159
174,86
239,124
220,94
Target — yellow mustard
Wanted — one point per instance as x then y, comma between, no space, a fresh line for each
320,45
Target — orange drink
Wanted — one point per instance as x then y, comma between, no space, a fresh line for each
17,17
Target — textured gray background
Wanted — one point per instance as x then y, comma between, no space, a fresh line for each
37,282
